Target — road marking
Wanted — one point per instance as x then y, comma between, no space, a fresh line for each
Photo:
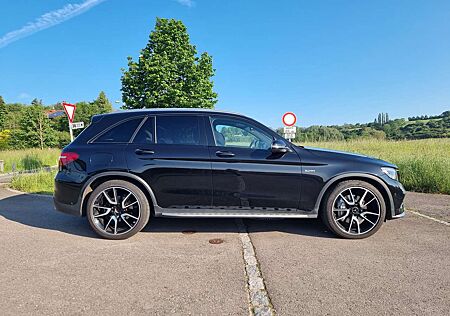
429,217
259,300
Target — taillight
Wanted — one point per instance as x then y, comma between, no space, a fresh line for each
67,157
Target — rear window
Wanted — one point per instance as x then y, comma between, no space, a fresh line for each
180,130
120,133
146,134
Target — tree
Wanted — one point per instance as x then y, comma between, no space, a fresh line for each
102,104
168,72
2,113
35,128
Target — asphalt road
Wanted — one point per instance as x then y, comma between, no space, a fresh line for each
53,264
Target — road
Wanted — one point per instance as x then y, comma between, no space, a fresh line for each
53,264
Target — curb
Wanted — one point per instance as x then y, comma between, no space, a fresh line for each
259,300
26,193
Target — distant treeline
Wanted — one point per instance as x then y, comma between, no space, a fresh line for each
36,125
419,127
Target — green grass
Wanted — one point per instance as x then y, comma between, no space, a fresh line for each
41,182
424,164
28,159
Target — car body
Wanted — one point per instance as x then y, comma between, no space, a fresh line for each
205,163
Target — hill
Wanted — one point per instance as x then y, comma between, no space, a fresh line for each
420,127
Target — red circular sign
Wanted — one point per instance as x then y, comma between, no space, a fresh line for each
289,119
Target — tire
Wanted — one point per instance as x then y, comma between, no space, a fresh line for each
117,209
353,209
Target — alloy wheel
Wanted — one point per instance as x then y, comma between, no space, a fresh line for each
116,210
356,210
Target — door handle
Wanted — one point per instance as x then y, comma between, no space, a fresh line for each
144,152
225,154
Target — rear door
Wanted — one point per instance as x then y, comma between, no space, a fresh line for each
246,174
170,153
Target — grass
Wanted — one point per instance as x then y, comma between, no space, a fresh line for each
28,159
41,182
424,164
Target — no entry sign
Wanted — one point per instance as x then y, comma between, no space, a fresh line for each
289,119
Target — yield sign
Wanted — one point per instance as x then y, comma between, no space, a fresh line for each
70,110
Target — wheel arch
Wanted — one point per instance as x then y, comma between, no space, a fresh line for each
116,175
374,180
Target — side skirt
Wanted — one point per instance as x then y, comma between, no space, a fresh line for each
221,212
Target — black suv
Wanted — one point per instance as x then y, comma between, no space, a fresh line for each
130,165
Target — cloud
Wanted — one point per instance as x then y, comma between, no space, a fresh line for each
50,19
187,3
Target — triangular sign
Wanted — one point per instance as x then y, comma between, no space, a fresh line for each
70,110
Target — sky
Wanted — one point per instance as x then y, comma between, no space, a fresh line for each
328,61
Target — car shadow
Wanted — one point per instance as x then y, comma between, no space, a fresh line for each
36,211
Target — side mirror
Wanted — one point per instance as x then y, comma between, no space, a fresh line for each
280,147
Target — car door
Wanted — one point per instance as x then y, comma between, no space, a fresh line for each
170,153
245,172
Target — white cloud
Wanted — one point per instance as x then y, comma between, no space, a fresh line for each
49,19
187,3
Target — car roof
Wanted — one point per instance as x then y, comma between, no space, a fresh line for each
171,110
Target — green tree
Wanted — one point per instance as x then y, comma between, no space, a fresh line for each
102,104
35,128
2,113
168,72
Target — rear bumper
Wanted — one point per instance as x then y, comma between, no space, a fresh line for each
67,208
400,212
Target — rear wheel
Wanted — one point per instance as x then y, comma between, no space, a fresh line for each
354,209
117,209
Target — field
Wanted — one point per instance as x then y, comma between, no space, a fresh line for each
424,164
28,159
41,182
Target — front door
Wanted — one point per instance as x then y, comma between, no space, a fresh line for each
170,153
246,174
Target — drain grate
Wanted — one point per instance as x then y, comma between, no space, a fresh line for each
188,232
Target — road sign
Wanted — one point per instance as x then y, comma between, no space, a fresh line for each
70,110
77,125
289,129
289,136
289,119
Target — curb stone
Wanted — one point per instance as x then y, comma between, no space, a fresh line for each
259,301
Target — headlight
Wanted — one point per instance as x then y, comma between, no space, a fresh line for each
390,172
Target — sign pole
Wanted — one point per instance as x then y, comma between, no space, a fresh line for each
71,132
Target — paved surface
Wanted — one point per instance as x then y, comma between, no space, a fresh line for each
53,264
435,205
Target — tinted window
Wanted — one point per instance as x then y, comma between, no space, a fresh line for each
146,132
120,133
237,133
179,130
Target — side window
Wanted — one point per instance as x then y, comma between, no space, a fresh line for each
120,133
230,132
180,130
146,134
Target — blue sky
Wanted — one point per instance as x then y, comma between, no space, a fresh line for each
329,61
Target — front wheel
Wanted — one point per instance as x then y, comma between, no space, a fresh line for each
117,209
354,209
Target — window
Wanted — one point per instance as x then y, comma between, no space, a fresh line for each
237,133
180,130
120,133
146,132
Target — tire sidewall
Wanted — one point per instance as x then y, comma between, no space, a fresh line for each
328,211
143,201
